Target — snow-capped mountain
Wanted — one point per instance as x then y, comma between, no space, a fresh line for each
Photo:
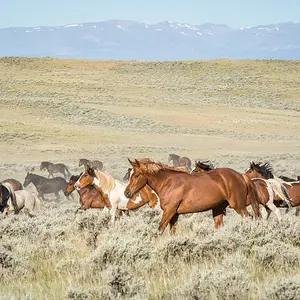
167,40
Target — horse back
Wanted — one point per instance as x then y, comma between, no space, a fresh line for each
16,185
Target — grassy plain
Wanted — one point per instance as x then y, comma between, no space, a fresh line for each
227,111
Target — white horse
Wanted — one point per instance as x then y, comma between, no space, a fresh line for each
26,200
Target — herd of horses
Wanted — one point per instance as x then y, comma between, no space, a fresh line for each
176,187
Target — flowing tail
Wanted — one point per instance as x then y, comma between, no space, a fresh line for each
252,196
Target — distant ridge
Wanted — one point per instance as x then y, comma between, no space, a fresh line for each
168,40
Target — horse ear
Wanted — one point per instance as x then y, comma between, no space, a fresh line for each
251,164
137,163
132,163
196,162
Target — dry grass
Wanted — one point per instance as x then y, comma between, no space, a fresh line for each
228,111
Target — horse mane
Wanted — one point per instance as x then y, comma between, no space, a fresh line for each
151,167
265,169
205,165
75,177
107,181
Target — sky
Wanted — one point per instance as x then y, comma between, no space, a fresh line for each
235,13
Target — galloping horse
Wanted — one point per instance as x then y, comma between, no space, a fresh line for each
292,189
18,200
264,189
96,164
55,168
265,171
44,185
180,161
114,189
90,196
182,193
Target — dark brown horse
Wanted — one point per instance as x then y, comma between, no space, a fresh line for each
96,164
16,185
264,189
180,161
182,193
287,191
55,168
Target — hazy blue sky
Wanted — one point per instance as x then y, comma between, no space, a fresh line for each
235,13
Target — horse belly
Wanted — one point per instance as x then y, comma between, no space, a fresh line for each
201,202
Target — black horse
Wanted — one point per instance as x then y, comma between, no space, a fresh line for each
55,168
45,185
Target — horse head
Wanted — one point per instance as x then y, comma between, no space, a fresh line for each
27,179
86,178
70,184
137,179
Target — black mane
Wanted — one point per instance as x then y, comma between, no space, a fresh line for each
265,169
205,165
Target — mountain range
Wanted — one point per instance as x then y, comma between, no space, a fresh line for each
119,39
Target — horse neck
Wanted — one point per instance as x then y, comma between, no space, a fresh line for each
158,181
108,183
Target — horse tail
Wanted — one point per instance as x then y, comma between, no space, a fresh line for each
252,196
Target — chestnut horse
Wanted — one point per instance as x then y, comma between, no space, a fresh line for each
182,193
292,189
115,190
180,161
265,195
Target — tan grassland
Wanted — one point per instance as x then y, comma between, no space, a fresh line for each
228,111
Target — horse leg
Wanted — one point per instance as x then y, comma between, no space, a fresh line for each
275,209
113,213
166,217
57,196
264,212
218,213
173,223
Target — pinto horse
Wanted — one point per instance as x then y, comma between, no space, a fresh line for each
264,189
182,193
90,196
287,191
180,161
115,191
